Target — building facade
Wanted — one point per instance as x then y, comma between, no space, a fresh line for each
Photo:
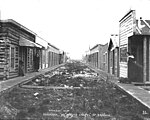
113,55
97,56
127,55
134,48
17,43
18,49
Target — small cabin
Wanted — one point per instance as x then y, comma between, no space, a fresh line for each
16,43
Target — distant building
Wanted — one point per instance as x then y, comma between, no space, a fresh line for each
97,56
113,55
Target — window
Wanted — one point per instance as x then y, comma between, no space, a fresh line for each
30,58
12,58
123,56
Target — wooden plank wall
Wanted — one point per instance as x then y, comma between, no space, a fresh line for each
2,57
11,35
126,29
11,38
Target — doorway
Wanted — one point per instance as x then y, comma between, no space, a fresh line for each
135,63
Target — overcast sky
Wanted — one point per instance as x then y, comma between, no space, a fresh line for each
72,25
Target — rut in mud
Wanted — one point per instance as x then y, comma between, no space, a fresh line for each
71,92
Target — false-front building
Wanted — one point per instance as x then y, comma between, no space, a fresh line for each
134,42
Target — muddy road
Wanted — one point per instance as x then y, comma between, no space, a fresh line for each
70,92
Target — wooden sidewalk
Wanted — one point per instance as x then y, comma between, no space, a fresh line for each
138,92
4,85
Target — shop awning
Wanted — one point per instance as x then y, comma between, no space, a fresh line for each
25,42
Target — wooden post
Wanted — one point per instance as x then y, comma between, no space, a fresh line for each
118,66
144,59
108,61
149,59
113,60
93,59
99,56
97,59
50,58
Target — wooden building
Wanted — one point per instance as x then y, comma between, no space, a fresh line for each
104,56
134,45
16,43
62,57
113,55
50,55
97,56
43,51
53,55
93,56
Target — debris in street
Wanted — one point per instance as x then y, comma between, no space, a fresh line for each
87,98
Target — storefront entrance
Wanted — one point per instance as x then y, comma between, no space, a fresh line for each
136,58
23,57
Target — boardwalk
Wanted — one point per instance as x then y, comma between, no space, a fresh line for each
137,92
4,85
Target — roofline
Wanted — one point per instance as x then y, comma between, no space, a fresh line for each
94,47
105,44
126,14
19,25
97,45
53,46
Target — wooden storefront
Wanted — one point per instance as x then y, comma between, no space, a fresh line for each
26,54
16,43
28,49
113,55
43,51
134,48
125,30
9,49
61,57
97,56
53,54
104,56
94,56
